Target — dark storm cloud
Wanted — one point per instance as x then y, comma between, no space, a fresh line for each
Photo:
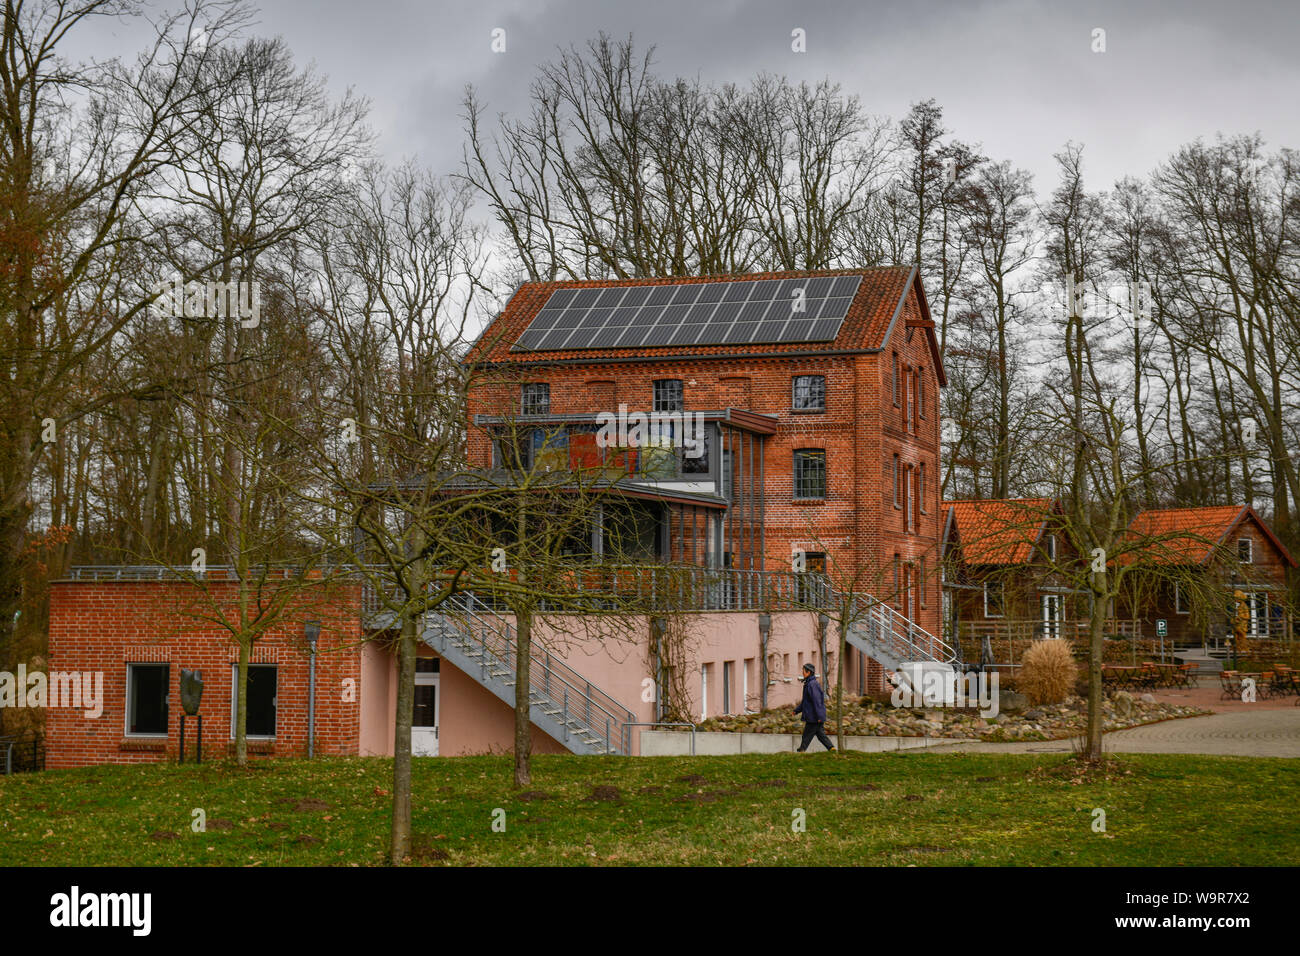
1018,77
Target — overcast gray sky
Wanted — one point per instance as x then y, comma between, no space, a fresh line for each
1017,76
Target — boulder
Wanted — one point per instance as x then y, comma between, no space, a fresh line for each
1012,702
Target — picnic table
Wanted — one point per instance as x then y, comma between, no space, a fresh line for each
1120,675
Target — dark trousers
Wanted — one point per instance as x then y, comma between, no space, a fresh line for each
811,730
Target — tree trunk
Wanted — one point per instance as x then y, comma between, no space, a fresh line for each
400,836
523,704
839,692
241,707
1096,644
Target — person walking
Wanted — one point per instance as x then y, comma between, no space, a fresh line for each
813,710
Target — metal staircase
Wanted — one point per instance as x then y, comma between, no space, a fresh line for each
564,704
882,633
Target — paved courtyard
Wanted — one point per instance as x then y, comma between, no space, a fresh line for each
1264,728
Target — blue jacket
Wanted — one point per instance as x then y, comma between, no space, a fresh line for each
813,705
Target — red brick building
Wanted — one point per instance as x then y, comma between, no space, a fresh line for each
829,435
1212,553
139,634
795,414
1008,570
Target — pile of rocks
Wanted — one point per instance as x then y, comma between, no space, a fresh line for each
1015,720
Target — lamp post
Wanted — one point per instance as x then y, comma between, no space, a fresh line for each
311,631
658,627
822,621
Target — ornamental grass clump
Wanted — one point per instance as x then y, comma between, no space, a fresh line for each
1048,672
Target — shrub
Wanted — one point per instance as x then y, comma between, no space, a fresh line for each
1048,672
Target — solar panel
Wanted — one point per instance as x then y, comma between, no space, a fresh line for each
797,309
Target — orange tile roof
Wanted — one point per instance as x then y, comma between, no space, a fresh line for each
868,320
999,530
1190,535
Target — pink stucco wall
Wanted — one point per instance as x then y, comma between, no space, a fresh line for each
613,656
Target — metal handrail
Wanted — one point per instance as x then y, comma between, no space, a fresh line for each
908,641
551,678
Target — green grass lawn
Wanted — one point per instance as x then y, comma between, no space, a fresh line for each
860,809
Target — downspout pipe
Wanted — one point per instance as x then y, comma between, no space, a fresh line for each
311,630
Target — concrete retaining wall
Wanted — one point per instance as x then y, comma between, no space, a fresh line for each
668,743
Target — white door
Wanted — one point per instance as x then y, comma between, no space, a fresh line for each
1051,615
424,725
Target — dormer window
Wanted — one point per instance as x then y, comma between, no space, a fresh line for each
535,399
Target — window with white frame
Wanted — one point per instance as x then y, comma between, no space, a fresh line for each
1257,601
1049,547
898,483
994,599
147,688
1245,550
895,380
704,691
1181,605
920,487
262,685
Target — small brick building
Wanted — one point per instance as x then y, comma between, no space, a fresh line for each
1008,570
1213,553
139,634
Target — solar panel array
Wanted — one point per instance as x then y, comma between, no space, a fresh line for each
699,313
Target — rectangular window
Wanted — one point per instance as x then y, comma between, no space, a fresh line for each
910,514
920,488
994,599
920,392
668,395
746,681
262,682
1257,601
898,484
809,393
898,566
1180,600
915,397
727,668
704,691
810,473
922,581
1049,547
1245,550
811,590
535,399
699,465
894,386
147,686
907,388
